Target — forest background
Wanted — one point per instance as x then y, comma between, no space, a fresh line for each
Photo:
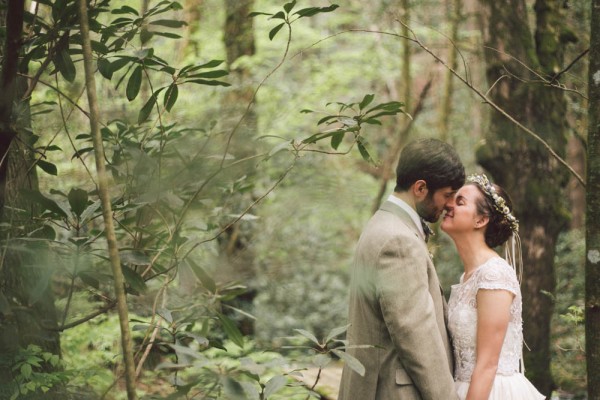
244,154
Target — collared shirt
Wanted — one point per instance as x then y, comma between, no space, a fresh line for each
410,211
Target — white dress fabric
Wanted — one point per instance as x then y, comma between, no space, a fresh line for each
509,383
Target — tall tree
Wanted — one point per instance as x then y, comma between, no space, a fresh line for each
27,314
519,163
592,276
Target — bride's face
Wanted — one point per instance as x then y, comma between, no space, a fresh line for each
461,215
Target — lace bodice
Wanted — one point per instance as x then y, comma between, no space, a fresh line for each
462,318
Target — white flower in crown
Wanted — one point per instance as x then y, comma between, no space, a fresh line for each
499,202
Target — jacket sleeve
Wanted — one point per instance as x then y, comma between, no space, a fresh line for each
408,311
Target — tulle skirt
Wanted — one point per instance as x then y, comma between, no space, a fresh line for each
506,387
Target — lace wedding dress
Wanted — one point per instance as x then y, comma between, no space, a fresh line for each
509,383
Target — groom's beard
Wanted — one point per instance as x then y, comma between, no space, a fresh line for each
428,211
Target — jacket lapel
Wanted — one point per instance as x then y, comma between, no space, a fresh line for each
403,215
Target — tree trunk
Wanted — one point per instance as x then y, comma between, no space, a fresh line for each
27,312
592,268
446,111
517,162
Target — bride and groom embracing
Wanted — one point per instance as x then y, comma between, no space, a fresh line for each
418,347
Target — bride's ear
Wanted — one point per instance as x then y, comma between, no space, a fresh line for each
481,221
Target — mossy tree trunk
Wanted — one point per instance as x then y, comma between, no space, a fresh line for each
516,161
27,312
592,276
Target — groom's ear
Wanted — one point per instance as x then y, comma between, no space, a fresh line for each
419,189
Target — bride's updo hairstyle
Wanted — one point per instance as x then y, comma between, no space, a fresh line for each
496,204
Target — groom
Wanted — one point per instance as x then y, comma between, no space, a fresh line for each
396,302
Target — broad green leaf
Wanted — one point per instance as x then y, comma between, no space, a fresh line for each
78,199
233,389
146,109
134,280
310,11
274,31
209,83
120,63
327,118
289,6
321,360
278,15
350,361
104,66
336,332
274,385
210,74
372,121
366,101
306,111
125,10
47,167
364,152
64,64
26,370
81,152
89,280
308,335
231,330
167,35
45,202
171,23
134,84
205,279
336,140
171,96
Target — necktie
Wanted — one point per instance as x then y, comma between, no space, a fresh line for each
426,229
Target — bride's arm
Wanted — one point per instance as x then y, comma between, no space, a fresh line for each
493,315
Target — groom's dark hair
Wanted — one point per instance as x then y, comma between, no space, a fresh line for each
431,160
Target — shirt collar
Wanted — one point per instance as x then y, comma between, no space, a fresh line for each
409,210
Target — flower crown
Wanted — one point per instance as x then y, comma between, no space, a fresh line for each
499,202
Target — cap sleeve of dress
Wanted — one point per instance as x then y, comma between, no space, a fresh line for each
497,274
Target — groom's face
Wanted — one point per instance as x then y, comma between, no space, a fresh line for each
432,206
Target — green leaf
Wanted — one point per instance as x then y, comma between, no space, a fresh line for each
327,118
81,152
336,332
209,83
362,148
231,330
120,63
211,74
45,202
26,371
279,15
308,335
78,199
171,23
274,31
134,83
47,167
64,64
147,109
134,280
167,35
274,385
171,96
125,10
104,68
350,361
310,11
289,6
336,140
89,280
366,101
233,389
256,13
205,279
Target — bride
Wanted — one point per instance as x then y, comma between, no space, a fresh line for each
484,310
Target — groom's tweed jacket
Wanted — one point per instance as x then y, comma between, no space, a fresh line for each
397,305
